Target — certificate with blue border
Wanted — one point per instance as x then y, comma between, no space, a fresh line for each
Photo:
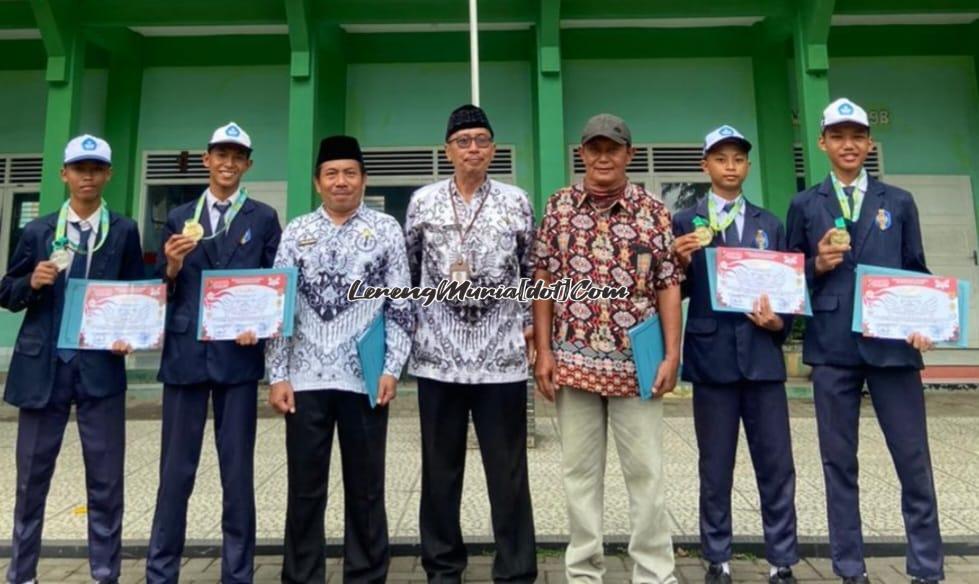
97,313
232,302
711,258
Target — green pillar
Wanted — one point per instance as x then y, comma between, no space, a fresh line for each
774,113
302,108
550,149
810,34
65,48
122,105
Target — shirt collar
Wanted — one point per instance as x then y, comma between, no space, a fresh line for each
326,216
720,201
860,183
212,200
480,192
627,202
91,220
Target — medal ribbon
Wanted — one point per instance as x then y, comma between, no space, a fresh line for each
848,213
228,216
720,226
61,240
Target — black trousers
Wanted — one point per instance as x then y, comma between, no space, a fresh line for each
102,429
309,442
499,413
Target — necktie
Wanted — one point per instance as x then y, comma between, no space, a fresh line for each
848,191
222,209
79,265
731,238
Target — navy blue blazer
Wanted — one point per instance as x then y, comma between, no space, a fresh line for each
250,243
31,376
726,347
888,234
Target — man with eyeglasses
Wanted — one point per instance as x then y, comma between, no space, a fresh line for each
470,357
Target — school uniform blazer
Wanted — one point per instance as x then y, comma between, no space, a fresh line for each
887,234
250,243
32,366
726,347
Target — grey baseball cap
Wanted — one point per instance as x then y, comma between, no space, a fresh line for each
609,126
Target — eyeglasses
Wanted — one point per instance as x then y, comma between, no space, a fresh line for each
482,141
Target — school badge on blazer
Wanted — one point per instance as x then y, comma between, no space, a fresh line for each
761,239
883,219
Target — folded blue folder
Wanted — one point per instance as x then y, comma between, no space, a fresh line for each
647,352
964,289
371,352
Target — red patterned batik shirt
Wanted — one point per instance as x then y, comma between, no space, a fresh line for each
630,244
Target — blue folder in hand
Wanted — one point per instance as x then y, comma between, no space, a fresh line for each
647,352
371,352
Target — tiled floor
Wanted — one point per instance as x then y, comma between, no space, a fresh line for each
953,430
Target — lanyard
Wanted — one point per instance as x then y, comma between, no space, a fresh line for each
848,213
61,240
720,226
228,216
464,232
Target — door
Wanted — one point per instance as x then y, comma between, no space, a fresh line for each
18,207
948,225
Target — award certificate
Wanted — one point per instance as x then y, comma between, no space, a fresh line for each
894,307
739,276
98,313
237,301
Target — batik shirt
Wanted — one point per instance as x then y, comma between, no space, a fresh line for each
630,244
472,341
322,352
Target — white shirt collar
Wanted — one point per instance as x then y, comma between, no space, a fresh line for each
720,201
92,220
326,216
212,200
860,183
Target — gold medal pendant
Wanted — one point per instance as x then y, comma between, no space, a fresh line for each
193,230
459,271
840,237
704,235
61,258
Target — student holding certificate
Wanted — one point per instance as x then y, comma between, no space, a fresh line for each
222,229
83,240
735,364
852,218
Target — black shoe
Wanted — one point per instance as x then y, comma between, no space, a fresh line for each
715,575
862,579
783,576
923,581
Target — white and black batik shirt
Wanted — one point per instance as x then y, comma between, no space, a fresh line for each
472,341
322,352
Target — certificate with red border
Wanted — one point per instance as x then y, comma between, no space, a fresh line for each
739,276
98,313
894,307
238,301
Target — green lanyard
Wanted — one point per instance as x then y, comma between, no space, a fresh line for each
61,239
849,214
229,215
717,225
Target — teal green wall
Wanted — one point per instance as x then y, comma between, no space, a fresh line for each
665,100
409,104
23,98
932,104
183,105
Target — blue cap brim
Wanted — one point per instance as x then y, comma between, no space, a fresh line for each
731,140
88,158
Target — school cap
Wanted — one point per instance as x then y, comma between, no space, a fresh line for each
231,134
844,111
725,135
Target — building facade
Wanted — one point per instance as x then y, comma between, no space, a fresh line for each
155,78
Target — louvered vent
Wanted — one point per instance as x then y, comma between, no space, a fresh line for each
677,159
25,169
175,165
639,164
427,163
874,163
414,162
3,171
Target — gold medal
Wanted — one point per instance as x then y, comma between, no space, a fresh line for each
840,237
193,230
704,235
61,258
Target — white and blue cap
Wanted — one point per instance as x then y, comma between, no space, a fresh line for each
843,111
231,133
725,135
88,147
